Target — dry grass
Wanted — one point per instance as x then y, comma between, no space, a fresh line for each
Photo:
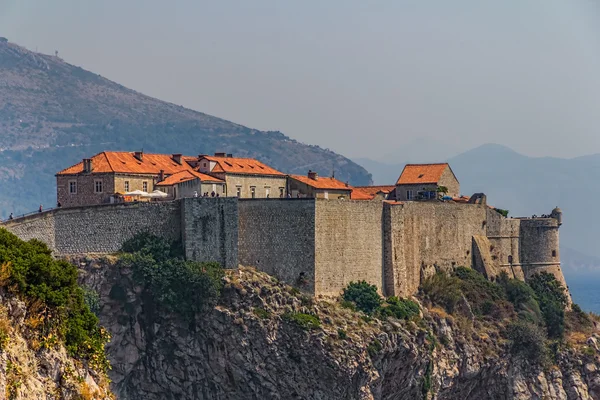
439,312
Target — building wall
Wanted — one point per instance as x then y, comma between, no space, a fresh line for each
259,182
449,180
422,237
136,182
278,236
85,189
98,229
401,190
504,237
210,229
296,187
348,244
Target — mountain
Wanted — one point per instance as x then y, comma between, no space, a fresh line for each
527,186
52,114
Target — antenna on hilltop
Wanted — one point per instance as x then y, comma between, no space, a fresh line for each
56,53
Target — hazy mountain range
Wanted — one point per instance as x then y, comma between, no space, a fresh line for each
53,114
526,186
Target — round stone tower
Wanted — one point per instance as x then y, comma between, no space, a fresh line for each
539,245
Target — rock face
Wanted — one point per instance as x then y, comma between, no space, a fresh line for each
247,347
30,370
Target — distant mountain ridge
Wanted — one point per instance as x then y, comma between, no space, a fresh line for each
52,114
527,186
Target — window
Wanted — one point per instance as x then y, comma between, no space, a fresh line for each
127,186
97,186
553,253
326,195
253,191
145,186
281,192
239,192
73,187
267,191
204,165
409,195
510,259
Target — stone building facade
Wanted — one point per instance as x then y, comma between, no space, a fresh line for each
315,187
318,245
422,181
245,178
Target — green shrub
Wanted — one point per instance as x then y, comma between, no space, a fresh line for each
342,334
374,347
552,299
262,313
398,308
443,290
184,287
364,295
502,212
30,270
304,321
528,341
92,300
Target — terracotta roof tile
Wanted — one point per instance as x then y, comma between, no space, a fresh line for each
421,173
125,162
372,191
235,165
323,183
185,176
360,194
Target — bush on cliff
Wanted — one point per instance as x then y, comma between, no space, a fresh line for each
363,295
552,299
528,341
181,286
49,287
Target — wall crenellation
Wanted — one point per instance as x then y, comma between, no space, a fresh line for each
317,245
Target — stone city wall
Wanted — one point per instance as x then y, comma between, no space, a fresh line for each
277,236
210,229
98,229
348,244
424,236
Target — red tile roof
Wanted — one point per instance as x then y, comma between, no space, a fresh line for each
323,183
233,165
421,173
185,176
372,191
360,194
125,162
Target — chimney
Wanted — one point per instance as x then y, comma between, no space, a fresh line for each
220,155
229,155
313,175
177,158
161,175
139,155
87,165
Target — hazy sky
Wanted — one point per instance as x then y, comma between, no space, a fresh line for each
360,77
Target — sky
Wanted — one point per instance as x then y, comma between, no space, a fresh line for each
363,78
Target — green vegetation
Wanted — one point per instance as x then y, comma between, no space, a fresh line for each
184,287
502,212
533,313
374,347
528,340
363,295
262,313
398,308
342,334
49,287
304,321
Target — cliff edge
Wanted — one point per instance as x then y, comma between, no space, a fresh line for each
266,340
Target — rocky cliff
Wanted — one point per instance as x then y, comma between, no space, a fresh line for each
257,344
31,369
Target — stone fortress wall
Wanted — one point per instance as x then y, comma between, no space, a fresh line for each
317,245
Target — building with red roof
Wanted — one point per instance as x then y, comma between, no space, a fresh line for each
243,177
314,186
425,181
